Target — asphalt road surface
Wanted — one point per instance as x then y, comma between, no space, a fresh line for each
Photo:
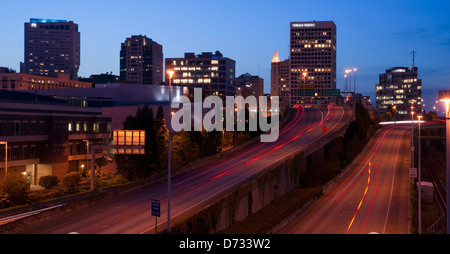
371,197
131,214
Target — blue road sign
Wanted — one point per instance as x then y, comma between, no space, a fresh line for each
156,208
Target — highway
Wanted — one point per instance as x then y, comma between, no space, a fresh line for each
371,197
130,214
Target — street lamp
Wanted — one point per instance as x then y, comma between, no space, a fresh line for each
412,134
420,183
349,71
87,155
169,164
354,80
6,155
346,80
444,95
304,74
304,109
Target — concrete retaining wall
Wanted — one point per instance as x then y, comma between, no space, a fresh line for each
246,200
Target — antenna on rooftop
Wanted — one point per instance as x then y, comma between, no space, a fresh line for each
413,54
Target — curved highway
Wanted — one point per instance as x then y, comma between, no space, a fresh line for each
197,189
373,196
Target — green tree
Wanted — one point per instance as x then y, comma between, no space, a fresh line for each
161,140
136,166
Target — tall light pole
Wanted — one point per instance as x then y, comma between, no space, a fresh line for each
350,80
345,86
87,154
304,109
444,95
169,155
420,183
354,80
6,155
412,134
346,80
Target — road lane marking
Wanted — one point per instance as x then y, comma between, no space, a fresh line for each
392,186
360,202
9,219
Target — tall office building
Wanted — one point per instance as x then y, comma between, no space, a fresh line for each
214,73
52,46
279,80
313,53
398,87
141,61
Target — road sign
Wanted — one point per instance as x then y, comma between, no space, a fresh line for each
307,92
307,87
156,208
332,92
413,172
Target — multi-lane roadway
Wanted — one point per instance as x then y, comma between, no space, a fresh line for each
371,197
196,189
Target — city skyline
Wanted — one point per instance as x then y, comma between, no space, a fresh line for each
374,40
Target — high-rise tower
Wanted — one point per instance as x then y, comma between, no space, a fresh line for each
313,62
279,80
52,46
141,61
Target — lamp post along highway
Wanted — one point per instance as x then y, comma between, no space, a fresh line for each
420,183
6,155
169,155
412,135
304,107
444,95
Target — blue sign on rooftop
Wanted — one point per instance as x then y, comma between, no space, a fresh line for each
47,20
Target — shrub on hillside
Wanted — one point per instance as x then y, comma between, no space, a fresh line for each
48,182
72,181
4,200
16,187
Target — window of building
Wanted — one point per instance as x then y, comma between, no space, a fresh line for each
16,128
41,128
15,155
24,152
33,152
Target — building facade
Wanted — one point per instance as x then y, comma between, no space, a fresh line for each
48,138
141,61
247,84
312,62
214,73
23,81
52,47
279,80
398,90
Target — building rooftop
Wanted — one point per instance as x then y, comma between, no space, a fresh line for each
275,58
27,97
34,20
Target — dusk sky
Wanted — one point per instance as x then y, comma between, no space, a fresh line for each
371,35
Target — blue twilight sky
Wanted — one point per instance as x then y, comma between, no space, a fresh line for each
371,35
